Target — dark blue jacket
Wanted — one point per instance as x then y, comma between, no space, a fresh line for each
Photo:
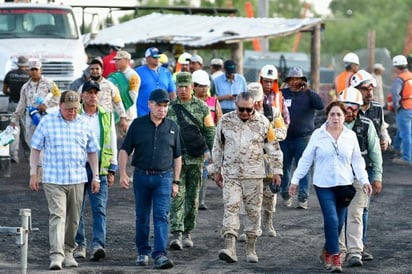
302,106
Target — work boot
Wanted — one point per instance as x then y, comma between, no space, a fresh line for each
228,254
268,224
187,239
176,242
251,256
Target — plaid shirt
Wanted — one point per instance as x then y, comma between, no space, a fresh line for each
65,145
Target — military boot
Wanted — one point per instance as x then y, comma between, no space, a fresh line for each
176,242
251,256
228,254
268,224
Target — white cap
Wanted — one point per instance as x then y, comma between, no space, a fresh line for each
196,58
362,77
379,66
351,95
201,77
217,62
184,58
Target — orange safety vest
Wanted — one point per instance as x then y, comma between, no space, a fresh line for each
389,105
342,81
406,93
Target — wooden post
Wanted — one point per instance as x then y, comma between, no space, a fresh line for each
237,56
315,58
371,49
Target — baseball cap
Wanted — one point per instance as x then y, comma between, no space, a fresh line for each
22,61
122,55
184,79
159,96
70,99
89,85
216,62
152,52
196,58
379,66
230,66
34,64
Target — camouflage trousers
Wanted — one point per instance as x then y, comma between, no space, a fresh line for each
250,191
184,208
269,198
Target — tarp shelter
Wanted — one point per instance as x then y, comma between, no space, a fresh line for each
197,31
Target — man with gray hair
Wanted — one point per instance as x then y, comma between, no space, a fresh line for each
239,170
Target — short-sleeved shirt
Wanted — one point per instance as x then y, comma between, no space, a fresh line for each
151,80
65,146
154,148
15,79
223,86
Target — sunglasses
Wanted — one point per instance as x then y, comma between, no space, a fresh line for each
353,107
367,88
34,69
248,110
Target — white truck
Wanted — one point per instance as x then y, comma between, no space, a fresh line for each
47,32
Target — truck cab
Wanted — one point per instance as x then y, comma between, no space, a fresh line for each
46,32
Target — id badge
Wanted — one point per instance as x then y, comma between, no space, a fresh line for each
288,102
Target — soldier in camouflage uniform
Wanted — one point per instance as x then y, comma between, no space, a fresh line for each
241,138
184,207
109,96
275,117
39,92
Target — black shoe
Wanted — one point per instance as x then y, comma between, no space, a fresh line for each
162,262
98,253
202,207
366,256
355,261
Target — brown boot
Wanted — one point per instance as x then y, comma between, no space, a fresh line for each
268,224
251,256
228,254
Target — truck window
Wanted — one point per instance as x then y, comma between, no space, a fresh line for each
37,23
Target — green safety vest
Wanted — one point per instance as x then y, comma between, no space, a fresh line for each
106,152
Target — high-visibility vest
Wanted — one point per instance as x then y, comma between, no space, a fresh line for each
406,94
342,81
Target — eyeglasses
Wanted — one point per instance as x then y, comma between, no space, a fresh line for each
353,107
248,110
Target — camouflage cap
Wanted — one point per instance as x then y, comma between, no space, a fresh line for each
184,79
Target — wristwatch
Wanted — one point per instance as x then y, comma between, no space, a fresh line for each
176,182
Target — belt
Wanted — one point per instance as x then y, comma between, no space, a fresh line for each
151,171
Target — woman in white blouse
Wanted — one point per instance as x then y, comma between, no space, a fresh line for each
335,152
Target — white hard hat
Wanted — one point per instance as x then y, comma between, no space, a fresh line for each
118,43
201,77
362,77
399,60
351,58
184,58
351,95
269,71
255,88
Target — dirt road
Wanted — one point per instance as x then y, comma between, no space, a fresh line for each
294,250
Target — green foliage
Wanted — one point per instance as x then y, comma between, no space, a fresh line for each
353,19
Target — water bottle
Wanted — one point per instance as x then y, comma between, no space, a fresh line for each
6,137
34,114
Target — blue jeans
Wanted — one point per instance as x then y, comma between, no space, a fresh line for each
404,124
152,190
333,218
292,149
98,203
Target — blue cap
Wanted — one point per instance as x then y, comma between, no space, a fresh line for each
152,52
